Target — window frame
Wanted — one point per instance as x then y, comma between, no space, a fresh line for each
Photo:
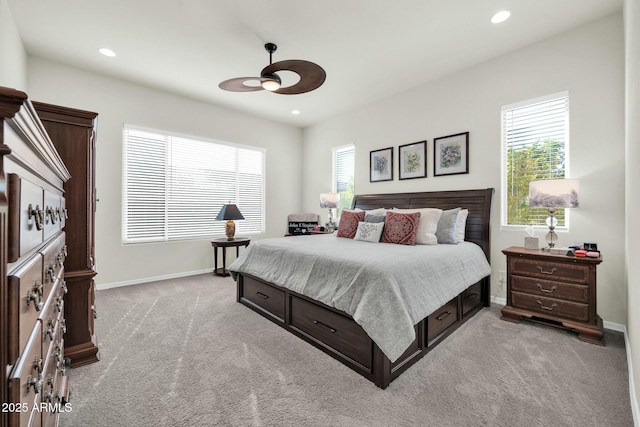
503,149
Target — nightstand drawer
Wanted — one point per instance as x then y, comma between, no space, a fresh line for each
574,273
550,289
551,306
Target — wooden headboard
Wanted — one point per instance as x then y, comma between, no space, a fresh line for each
478,202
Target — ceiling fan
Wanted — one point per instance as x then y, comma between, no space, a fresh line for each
311,77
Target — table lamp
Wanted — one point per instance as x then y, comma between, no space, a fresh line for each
553,194
330,201
229,213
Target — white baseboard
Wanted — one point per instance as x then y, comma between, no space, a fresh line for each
104,286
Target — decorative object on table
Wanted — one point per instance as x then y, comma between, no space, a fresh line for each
530,242
229,213
553,194
330,201
413,160
311,76
381,165
451,154
302,223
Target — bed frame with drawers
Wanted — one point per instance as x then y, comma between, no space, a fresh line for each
338,335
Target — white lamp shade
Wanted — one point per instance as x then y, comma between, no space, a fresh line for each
329,200
554,193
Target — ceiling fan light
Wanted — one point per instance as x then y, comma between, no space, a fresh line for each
272,82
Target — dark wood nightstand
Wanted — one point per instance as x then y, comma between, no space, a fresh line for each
557,290
225,243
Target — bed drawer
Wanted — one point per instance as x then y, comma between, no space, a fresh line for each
441,319
269,299
331,329
471,298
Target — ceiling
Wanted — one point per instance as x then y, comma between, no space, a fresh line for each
370,49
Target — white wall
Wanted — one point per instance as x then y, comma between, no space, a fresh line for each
117,103
632,113
13,66
587,61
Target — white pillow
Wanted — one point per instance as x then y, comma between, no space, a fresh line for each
427,226
376,212
461,225
369,231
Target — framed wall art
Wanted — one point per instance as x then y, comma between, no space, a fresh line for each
412,160
451,154
381,165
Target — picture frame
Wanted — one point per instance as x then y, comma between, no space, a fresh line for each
451,154
412,160
381,165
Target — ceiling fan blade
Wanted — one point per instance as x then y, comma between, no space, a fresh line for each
237,84
312,76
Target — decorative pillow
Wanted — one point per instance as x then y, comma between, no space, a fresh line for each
429,217
349,223
369,231
401,228
461,225
446,232
374,218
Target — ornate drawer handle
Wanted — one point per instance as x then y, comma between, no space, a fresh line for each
553,270
59,214
37,214
51,330
317,322
58,304
35,383
52,214
37,364
443,316
51,273
554,305
553,288
63,326
35,295
64,287
262,295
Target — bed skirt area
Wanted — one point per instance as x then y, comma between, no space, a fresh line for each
338,335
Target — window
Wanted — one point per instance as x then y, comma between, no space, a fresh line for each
174,186
343,175
535,142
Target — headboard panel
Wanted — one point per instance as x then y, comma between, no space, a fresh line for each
478,202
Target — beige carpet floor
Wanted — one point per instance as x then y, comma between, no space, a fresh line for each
184,353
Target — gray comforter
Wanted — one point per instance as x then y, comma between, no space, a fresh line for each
386,288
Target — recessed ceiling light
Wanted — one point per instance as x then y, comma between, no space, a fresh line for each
106,52
295,112
501,16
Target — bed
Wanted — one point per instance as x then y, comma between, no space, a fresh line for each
381,337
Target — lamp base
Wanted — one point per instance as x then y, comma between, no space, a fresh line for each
230,230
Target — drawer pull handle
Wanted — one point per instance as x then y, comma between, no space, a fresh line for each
443,316
554,305
37,214
262,295
317,322
37,364
35,383
553,288
553,270
52,214
51,273
473,296
35,295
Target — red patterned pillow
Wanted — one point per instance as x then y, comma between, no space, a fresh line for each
401,228
349,223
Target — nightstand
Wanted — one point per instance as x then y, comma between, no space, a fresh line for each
557,290
225,243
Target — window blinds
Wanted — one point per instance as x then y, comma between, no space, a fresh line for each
344,170
535,143
174,187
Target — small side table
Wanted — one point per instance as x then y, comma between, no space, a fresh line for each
224,244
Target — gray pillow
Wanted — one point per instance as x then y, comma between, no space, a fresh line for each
446,232
374,218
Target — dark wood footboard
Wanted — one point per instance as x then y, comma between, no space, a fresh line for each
338,335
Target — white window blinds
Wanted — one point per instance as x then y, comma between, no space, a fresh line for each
174,187
535,136
344,172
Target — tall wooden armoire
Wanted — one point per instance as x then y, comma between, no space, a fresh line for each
73,132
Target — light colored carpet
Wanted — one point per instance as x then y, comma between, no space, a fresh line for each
184,353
